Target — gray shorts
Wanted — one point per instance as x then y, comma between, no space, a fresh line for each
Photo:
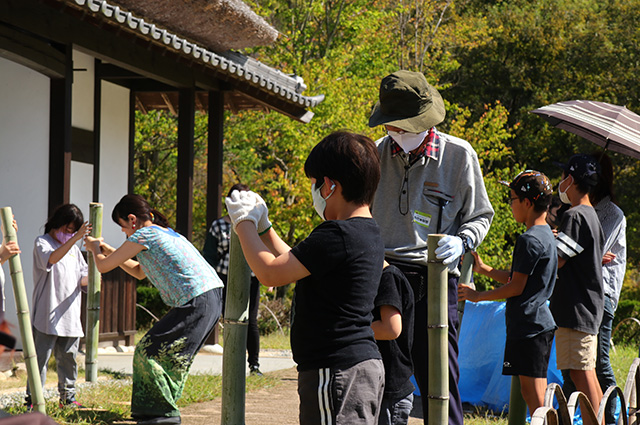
342,396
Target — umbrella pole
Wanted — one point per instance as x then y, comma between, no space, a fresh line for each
24,319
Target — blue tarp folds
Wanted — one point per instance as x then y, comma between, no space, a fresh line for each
481,343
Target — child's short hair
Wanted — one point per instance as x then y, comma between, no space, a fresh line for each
534,186
350,158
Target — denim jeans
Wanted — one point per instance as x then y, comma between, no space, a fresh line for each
603,364
395,412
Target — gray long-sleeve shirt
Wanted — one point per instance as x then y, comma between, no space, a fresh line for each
449,191
614,226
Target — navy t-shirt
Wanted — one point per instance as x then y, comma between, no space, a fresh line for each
332,308
395,291
534,254
578,298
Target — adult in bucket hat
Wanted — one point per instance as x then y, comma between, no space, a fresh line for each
431,182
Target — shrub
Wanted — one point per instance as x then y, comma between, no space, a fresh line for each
281,309
149,298
628,331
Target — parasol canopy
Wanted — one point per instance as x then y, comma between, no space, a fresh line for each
611,126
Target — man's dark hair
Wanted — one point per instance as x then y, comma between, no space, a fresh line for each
349,158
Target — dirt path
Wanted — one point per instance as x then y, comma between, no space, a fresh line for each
275,405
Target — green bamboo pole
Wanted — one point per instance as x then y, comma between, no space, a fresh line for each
465,277
24,318
437,336
236,319
93,300
517,406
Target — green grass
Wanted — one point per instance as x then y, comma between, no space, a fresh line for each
109,401
621,359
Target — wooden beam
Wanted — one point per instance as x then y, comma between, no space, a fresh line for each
167,102
60,136
215,156
186,129
131,181
97,123
32,52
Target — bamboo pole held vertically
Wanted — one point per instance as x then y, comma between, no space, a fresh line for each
24,319
517,406
236,319
437,336
93,300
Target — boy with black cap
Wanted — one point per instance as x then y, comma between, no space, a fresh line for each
528,286
577,302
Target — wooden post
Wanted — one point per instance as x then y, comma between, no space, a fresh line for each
437,335
24,319
93,300
236,319
517,406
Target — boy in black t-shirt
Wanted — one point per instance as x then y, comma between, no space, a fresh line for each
529,285
393,329
338,268
577,303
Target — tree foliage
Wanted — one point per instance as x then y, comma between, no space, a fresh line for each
493,61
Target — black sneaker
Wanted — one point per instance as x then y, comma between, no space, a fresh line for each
73,404
253,370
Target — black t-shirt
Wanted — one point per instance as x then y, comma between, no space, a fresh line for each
332,308
396,354
535,255
578,298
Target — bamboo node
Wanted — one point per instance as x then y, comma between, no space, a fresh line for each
235,322
437,326
93,308
436,261
438,397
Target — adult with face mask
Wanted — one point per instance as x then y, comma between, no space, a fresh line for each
431,182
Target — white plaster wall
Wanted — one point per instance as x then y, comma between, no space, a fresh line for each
82,91
24,163
81,188
114,156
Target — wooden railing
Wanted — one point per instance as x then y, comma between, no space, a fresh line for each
117,308
566,411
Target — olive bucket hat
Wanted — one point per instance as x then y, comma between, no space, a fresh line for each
408,102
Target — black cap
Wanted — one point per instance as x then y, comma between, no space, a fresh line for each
582,167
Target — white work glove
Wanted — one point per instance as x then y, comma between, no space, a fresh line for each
242,206
264,224
449,249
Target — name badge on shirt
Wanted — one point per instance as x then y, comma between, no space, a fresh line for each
421,219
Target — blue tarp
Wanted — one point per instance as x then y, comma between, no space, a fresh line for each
481,342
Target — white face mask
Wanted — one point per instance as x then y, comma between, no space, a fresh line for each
407,141
563,194
320,203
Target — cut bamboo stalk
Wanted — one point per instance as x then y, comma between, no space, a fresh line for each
466,271
236,319
517,406
24,318
93,300
437,336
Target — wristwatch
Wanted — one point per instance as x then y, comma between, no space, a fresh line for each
466,242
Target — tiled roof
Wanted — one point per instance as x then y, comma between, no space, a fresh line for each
238,66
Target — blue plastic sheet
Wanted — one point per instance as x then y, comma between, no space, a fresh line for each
481,342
